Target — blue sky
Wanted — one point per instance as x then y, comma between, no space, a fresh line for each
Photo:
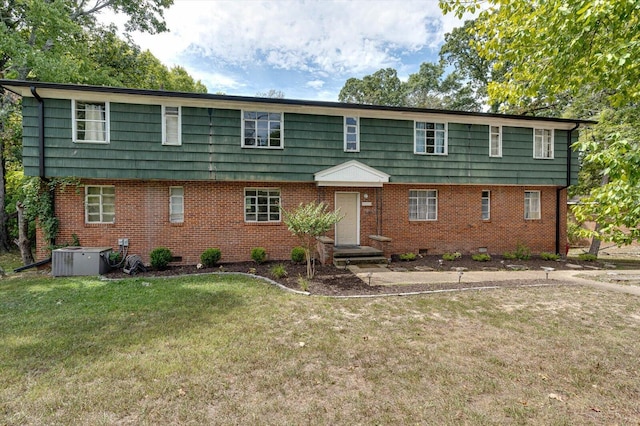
306,49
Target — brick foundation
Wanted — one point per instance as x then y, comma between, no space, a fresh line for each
214,217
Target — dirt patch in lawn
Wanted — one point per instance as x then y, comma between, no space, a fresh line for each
332,281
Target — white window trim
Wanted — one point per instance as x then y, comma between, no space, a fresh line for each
446,138
164,125
552,142
427,219
491,127
171,197
539,210
86,206
357,133
74,125
488,204
242,122
244,193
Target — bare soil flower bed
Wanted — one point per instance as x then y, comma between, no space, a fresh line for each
332,281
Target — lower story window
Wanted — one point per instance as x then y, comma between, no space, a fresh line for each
423,205
176,204
486,205
261,205
532,205
100,204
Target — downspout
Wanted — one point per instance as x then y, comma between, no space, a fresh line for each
41,153
560,189
35,94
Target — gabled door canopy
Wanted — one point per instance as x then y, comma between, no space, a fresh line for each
351,173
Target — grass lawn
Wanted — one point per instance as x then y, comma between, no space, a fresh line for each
231,350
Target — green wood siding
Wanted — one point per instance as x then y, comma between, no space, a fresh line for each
211,149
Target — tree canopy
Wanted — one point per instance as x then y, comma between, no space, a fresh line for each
428,88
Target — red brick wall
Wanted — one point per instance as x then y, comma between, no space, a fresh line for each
214,217
460,226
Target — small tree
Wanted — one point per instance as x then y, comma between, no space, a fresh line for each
308,222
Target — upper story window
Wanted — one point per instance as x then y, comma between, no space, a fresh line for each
531,205
100,204
351,134
261,205
486,205
430,138
262,129
171,125
495,141
90,121
542,143
176,204
423,204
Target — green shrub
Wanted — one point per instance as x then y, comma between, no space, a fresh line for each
160,257
278,271
408,256
587,257
259,255
523,252
452,256
114,257
549,256
303,283
509,255
210,257
481,257
297,254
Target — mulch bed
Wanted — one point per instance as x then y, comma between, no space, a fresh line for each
332,281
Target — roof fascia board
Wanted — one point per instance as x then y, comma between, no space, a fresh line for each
156,97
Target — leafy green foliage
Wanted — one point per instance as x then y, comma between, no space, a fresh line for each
210,257
297,254
307,222
428,88
259,254
549,256
408,256
278,271
383,87
587,257
481,257
582,42
160,257
452,256
509,255
303,283
523,252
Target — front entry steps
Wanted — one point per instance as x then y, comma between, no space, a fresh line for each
344,256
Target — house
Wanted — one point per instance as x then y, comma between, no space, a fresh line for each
191,171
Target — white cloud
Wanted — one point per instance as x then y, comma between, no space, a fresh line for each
326,40
324,36
315,84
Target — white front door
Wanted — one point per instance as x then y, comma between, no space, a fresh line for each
348,229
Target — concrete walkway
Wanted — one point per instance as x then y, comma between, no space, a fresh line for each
597,278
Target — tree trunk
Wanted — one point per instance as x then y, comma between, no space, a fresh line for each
595,243
23,236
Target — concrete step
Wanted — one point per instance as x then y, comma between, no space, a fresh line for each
342,262
360,251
